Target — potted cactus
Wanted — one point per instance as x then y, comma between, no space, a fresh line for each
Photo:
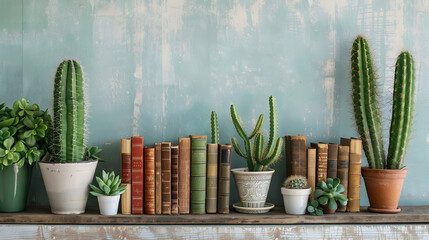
69,171
295,194
253,182
384,176
24,131
108,192
329,194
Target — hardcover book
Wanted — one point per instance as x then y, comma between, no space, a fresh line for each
184,174
174,179
296,155
321,161
166,177
212,162
332,160
311,170
353,194
224,178
137,144
343,171
158,188
198,174
126,175
149,177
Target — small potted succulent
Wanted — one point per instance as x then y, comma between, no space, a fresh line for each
328,194
108,192
253,182
24,131
295,194
314,208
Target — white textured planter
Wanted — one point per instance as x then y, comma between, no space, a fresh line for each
252,187
295,200
67,185
108,204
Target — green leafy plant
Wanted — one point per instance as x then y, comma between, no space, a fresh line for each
258,158
329,192
295,182
92,153
366,109
214,128
313,208
108,185
24,133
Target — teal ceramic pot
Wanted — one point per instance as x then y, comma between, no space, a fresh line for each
14,186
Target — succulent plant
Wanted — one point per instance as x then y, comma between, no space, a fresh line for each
366,110
295,182
214,128
313,208
91,153
329,192
258,158
108,185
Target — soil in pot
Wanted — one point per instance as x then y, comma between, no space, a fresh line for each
14,186
384,187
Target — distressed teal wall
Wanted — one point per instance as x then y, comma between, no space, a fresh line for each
157,68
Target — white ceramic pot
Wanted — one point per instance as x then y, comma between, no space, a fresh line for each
252,186
108,204
295,200
67,185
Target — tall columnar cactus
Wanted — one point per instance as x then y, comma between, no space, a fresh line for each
402,113
214,128
366,111
68,135
258,158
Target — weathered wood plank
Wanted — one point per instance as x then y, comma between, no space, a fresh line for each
416,214
65,232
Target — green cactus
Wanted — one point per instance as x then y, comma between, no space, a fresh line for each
365,105
68,135
402,113
258,158
214,128
295,182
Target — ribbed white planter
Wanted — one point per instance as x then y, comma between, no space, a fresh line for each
67,185
252,187
295,200
108,204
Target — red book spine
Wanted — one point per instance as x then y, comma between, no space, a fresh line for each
174,179
149,180
137,175
126,161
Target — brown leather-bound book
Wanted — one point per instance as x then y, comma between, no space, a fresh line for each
355,164
311,170
158,188
224,178
332,160
166,177
321,161
149,177
343,171
126,175
137,144
296,155
211,194
184,174
174,179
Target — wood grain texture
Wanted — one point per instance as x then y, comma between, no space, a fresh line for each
416,214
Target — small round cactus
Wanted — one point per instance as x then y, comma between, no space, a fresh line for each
295,182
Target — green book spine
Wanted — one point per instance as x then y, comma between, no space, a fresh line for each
198,174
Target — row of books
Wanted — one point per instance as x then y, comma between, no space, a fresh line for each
327,160
192,177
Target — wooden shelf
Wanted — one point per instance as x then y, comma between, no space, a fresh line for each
415,214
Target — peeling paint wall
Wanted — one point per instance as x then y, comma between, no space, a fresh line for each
157,68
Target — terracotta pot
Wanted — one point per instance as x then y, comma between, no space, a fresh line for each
383,187
327,210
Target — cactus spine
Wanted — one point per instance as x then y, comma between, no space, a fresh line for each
68,142
402,112
214,128
258,158
366,111
295,182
